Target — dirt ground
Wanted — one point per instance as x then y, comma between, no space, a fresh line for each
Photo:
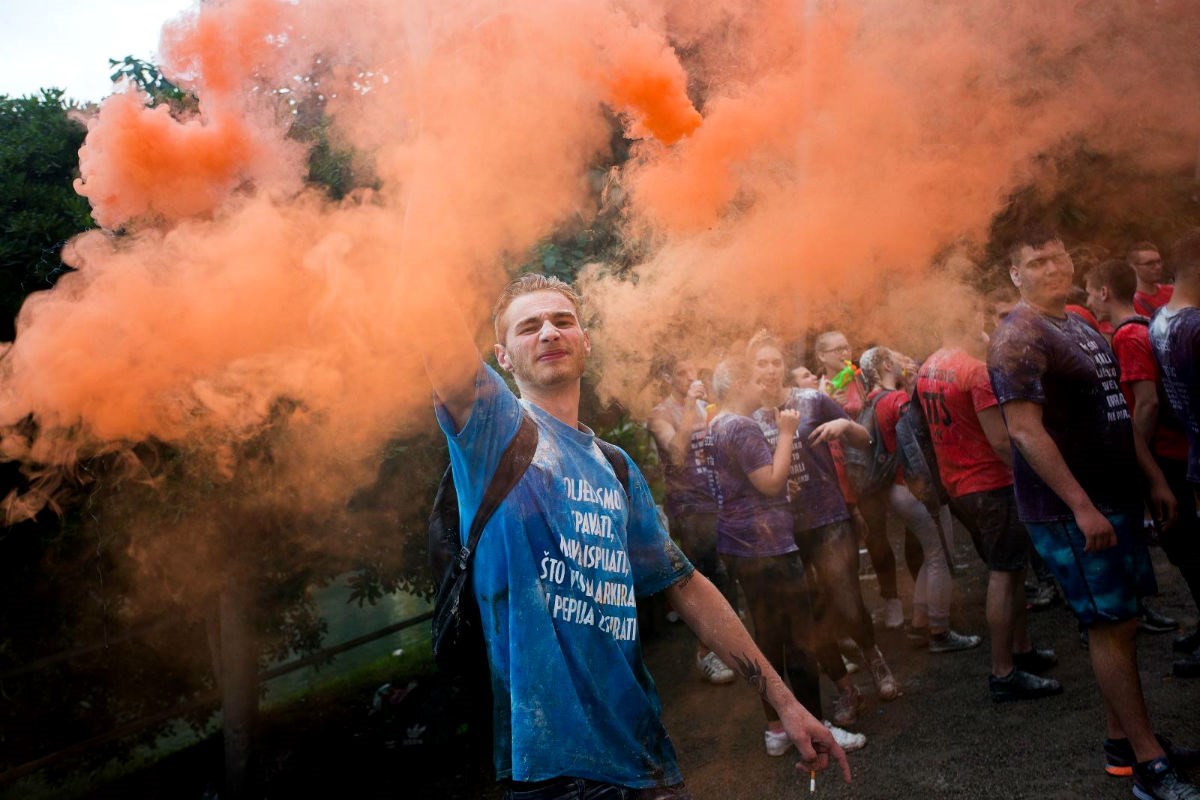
943,738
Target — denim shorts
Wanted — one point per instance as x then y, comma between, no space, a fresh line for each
1101,586
566,788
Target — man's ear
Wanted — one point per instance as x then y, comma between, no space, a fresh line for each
1014,276
587,344
502,357
1105,294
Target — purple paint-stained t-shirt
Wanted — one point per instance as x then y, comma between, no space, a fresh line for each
1175,337
749,523
1067,368
687,486
813,487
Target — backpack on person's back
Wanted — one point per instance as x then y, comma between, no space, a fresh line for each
872,468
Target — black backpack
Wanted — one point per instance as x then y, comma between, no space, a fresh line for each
915,445
872,468
458,645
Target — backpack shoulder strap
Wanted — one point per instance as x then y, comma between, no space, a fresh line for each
617,460
1131,321
513,462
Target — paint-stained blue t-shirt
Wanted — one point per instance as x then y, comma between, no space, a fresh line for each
1067,368
556,574
1175,337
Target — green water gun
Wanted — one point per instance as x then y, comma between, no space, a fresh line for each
839,381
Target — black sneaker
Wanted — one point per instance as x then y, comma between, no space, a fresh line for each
1151,621
1019,685
1035,661
1187,667
1188,643
1157,780
1119,758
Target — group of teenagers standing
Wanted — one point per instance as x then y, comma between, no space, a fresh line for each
1039,434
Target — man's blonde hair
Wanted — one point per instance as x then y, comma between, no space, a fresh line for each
527,284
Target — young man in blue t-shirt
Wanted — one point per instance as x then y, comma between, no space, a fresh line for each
1076,465
1175,338
560,564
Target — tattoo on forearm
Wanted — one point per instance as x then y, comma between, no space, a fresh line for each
752,673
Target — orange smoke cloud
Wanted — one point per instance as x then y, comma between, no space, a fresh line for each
846,146
808,162
140,163
648,83
230,288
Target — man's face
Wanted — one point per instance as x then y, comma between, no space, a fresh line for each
682,377
1147,264
767,368
833,353
1097,301
999,312
1043,275
544,344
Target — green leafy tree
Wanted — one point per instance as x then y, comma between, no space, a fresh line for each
39,209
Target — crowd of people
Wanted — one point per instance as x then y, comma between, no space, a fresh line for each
1058,423
1064,438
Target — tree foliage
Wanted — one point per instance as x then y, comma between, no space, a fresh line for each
39,209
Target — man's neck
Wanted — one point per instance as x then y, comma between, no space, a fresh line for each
1051,308
1147,288
1118,313
1186,295
560,402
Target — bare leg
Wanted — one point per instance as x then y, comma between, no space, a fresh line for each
1114,661
1000,591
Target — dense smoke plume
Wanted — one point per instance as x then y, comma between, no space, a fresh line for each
798,164
848,147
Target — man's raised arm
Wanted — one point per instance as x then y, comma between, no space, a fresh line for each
451,360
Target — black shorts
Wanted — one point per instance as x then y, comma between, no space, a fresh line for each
991,517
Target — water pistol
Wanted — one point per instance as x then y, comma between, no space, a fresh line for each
839,381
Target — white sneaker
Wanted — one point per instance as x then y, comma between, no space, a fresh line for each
893,614
777,743
713,669
846,740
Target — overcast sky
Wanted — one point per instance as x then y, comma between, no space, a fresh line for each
67,43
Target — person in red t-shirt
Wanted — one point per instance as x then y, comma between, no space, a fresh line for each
933,588
1110,294
833,353
974,463
1146,262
